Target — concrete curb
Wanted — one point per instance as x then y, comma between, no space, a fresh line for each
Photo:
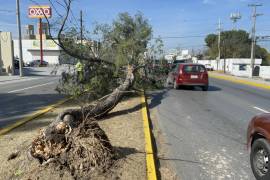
150,160
31,116
240,81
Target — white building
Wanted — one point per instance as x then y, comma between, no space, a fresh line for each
265,72
234,66
183,55
31,45
31,50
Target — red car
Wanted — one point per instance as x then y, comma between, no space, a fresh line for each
258,142
188,74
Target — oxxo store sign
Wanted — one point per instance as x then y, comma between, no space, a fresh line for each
39,11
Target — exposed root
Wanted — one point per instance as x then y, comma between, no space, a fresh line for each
83,150
75,142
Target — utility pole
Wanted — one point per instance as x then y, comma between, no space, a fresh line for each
40,41
81,23
253,36
219,39
81,31
20,36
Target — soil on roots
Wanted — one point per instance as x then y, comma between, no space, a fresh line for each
84,152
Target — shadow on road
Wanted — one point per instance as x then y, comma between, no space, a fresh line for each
191,88
156,97
214,88
14,106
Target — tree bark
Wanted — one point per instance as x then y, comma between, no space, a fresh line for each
72,118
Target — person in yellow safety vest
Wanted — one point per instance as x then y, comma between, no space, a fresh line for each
79,68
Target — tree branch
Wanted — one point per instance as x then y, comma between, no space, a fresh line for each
59,38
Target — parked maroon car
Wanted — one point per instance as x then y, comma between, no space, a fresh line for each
258,142
188,74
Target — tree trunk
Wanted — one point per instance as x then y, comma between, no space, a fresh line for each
100,107
58,137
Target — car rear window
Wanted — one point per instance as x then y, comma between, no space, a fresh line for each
194,68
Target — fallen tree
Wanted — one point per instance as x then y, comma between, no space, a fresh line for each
74,140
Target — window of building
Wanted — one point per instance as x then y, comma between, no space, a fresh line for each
242,67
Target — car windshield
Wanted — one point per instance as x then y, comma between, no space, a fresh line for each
193,68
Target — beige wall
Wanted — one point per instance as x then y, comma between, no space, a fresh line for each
1,62
6,52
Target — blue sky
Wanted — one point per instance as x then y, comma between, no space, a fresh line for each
168,17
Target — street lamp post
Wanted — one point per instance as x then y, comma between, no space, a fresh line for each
20,36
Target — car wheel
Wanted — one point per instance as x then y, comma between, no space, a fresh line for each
259,159
175,86
205,88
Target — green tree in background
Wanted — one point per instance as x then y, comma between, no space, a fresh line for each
234,44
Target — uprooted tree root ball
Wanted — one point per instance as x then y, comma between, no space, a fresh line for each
75,142
83,150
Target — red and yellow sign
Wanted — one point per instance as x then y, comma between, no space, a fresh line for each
39,11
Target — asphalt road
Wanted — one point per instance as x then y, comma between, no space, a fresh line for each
206,131
21,97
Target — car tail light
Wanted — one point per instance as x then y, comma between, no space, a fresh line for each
181,72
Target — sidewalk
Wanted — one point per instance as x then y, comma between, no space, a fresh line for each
33,72
10,78
257,82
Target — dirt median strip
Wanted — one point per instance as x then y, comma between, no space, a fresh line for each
240,81
150,161
123,126
148,144
31,117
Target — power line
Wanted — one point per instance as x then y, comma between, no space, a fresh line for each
195,45
179,37
9,11
264,30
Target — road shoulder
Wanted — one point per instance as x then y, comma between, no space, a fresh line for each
165,168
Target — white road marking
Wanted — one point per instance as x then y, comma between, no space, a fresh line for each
260,109
31,87
18,80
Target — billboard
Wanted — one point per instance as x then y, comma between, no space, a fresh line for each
39,11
